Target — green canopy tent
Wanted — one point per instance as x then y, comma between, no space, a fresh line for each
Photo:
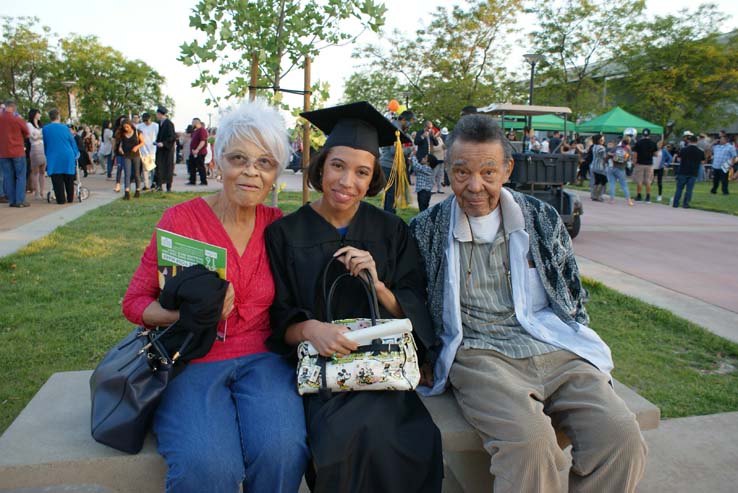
616,121
541,122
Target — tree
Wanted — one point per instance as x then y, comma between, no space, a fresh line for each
107,84
573,35
26,62
683,71
282,31
457,60
376,87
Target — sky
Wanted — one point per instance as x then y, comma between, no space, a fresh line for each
153,31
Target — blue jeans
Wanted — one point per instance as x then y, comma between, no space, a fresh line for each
119,161
236,421
681,181
14,179
130,172
617,174
109,159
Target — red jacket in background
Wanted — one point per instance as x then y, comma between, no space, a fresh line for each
13,130
199,135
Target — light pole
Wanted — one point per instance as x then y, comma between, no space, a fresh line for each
68,85
533,59
406,94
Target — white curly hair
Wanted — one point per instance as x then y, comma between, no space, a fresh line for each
256,122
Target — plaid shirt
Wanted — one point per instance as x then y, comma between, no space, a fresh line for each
722,154
424,174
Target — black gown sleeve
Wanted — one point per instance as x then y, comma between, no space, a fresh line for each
409,287
284,310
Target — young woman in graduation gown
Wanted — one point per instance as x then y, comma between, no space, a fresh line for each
360,441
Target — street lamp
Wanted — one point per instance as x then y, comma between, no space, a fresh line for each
533,59
68,85
406,94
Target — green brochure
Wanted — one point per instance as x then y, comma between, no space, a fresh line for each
175,251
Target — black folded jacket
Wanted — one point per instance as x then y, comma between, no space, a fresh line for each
198,294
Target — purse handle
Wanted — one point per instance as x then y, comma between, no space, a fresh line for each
367,284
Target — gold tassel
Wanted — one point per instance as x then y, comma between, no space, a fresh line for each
398,177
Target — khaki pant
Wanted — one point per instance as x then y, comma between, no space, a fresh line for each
515,404
643,174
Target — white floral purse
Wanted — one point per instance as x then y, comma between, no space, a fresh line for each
386,359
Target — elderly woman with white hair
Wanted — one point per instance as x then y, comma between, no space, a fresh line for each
232,416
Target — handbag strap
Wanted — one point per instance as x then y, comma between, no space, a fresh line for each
367,283
368,289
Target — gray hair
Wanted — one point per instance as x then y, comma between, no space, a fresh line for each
478,128
258,123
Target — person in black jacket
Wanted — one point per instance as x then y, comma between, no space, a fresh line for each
691,158
165,140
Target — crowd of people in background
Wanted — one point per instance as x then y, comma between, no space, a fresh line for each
135,151
608,164
139,152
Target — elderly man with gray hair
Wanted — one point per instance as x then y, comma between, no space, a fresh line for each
507,305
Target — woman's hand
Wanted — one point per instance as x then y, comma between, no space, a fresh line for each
228,301
356,260
328,339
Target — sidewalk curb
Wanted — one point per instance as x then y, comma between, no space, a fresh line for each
717,320
13,240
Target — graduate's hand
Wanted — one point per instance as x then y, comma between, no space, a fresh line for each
328,339
230,298
356,261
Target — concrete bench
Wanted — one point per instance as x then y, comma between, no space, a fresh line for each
466,461
48,448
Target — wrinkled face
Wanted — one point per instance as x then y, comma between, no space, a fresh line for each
249,172
477,172
347,174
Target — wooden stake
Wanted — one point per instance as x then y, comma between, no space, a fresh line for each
254,75
306,135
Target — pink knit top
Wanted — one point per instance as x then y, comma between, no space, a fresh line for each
248,324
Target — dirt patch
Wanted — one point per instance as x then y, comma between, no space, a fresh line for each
724,367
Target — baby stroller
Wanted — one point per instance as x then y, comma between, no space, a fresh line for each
81,192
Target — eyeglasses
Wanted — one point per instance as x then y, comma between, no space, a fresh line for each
240,161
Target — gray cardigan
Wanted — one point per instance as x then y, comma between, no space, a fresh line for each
550,248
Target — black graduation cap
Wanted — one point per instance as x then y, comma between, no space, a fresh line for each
358,125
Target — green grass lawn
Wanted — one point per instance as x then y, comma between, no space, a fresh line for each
61,310
701,196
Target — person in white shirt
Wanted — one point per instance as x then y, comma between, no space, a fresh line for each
38,158
149,130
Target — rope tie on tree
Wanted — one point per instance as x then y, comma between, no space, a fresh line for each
277,88
398,176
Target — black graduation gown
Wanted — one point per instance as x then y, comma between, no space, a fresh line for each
360,441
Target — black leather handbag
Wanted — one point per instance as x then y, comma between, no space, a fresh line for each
126,388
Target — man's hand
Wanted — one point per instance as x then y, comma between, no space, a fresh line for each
426,375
